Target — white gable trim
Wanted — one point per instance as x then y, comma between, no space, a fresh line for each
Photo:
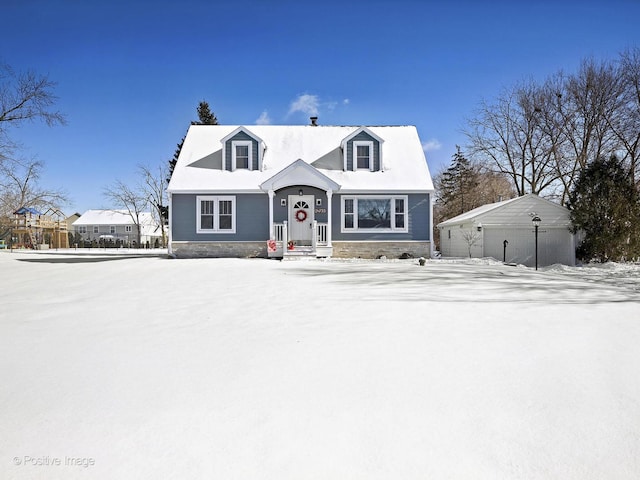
358,131
299,173
353,134
224,140
241,129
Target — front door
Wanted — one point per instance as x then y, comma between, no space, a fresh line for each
301,219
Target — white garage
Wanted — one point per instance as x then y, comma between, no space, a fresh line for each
505,231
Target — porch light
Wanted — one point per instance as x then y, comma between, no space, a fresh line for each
536,223
300,192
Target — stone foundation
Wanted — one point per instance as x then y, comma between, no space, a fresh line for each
340,249
378,249
219,249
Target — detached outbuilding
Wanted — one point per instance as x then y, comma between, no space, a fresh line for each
505,231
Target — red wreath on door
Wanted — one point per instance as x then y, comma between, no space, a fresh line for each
301,215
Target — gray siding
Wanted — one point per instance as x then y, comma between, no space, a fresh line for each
418,221
364,137
242,136
252,219
119,234
281,213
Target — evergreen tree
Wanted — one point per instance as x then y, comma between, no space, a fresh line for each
174,160
205,117
456,186
605,206
464,186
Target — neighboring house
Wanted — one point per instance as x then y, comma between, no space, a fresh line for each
70,219
273,190
117,225
485,229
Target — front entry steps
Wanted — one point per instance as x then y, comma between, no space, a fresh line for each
300,253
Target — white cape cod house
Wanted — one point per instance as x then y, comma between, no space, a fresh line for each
277,191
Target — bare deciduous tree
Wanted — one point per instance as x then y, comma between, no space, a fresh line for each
154,189
19,187
626,125
129,198
585,105
471,238
507,138
542,136
24,97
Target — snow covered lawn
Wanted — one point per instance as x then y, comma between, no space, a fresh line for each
149,368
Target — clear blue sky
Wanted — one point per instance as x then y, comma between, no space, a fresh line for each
131,73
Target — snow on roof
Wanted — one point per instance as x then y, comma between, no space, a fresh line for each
471,214
553,213
199,167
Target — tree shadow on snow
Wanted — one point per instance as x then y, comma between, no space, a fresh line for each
81,259
473,283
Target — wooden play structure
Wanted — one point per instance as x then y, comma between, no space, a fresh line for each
39,231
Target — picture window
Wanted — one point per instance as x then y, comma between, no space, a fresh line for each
374,214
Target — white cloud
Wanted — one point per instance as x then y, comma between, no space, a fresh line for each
263,119
431,144
311,104
331,106
306,104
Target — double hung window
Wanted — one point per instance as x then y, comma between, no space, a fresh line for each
215,214
368,213
242,157
363,155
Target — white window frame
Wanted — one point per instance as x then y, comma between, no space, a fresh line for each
112,229
216,213
362,143
96,229
81,229
128,228
391,198
241,143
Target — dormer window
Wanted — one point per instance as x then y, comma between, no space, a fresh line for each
241,155
362,150
242,150
363,153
